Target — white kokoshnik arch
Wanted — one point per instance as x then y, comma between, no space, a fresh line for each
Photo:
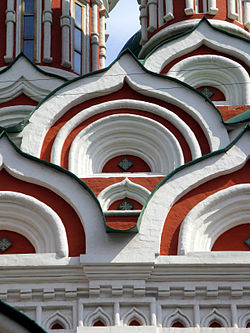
34,220
125,69
120,190
212,70
121,134
212,217
203,34
116,106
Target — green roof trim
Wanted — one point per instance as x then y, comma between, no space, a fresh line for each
202,158
240,118
203,19
20,318
22,55
56,167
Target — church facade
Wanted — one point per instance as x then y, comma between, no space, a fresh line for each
125,190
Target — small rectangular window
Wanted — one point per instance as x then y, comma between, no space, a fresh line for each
78,37
28,28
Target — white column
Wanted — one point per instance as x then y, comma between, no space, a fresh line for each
47,22
153,313
189,10
65,25
152,7
232,10
212,10
247,14
196,316
234,315
117,313
143,21
169,10
103,15
95,34
160,13
10,21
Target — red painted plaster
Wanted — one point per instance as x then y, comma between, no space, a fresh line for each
124,93
203,50
218,95
20,244
233,239
139,164
169,238
74,229
231,111
20,100
121,222
136,204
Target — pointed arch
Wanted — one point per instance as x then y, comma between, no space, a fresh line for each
177,316
212,217
244,319
34,220
57,318
117,191
218,71
215,316
135,314
98,314
126,134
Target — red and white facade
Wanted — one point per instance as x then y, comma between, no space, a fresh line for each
127,201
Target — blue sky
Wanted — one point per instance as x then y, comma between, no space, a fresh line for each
122,23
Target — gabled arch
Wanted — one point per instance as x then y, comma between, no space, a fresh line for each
179,316
35,220
215,316
135,314
57,318
213,70
244,319
98,314
97,85
126,134
202,34
212,217
176,121
117,191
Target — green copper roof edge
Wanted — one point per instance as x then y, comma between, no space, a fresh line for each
22,55
240,118
19,127
56,167
186,165
203,19
20,318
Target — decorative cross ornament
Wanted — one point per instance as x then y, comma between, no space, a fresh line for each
125,164
4,244
125,205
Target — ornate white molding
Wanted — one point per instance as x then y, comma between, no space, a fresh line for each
212,10
95,36
98,314
35,221
116,105
247,14
118,191
57,318
12,115
212,217
211,70
215,316
135,314
143,21
119,134
177,315
202,35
